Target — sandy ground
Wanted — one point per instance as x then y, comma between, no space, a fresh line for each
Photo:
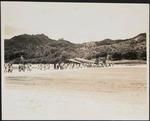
118,92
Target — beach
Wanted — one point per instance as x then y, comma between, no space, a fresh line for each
109,93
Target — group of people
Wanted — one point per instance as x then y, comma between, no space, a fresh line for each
99,62
103,61
67,66
25,67
8,67
43,66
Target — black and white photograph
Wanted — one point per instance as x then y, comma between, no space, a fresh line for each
74,61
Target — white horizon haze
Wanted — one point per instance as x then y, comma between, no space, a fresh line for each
75,22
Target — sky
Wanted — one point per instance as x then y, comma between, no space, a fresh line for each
76,22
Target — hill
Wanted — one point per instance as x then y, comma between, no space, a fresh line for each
132,48
40,48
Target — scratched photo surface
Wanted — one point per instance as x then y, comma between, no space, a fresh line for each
74,61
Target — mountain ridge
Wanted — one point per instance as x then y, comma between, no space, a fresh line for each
50,50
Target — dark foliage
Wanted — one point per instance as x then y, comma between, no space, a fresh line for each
41,49
116,56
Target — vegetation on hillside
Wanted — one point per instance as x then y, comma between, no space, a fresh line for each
41,49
